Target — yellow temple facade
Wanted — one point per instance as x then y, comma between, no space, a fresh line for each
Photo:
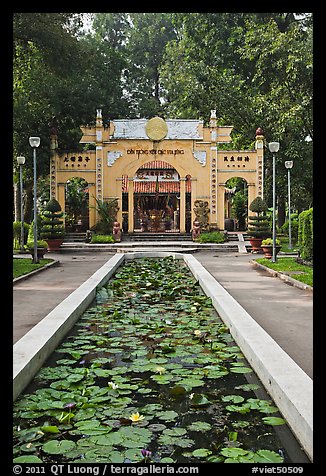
158,168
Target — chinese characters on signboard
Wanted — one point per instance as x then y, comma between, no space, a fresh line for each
76,161
236,161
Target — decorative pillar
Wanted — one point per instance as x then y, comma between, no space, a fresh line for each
213,172
259,146
53,147
193,199
182,211
118,195
91,204
251,193
61,188
99,156
130,205
220,201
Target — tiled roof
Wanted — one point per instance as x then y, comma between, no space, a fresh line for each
154,187
156,164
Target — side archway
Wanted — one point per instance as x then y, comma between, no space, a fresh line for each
235,204
76,205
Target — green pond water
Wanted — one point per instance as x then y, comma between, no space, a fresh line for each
150,373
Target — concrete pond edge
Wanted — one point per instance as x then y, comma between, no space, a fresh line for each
287,384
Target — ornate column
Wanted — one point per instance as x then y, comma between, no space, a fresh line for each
130,205
99,156
214,203
193,199
220,201
259,146
61,190
182,210
53,147
251,194
118,195
91,204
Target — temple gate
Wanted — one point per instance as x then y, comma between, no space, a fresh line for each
158,167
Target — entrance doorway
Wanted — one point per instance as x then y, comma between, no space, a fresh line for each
76,205
235,204
156,199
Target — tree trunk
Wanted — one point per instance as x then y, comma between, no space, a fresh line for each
17,214
280,212
28,215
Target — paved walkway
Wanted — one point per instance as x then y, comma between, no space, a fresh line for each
284,311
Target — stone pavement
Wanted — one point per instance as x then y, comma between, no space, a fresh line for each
282,310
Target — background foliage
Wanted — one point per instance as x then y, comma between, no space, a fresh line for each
255,69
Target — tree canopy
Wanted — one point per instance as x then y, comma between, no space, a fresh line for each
255,69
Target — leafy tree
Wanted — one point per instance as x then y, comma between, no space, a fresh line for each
76,198
255,69
147,38
46,57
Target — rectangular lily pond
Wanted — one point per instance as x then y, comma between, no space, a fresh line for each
150,373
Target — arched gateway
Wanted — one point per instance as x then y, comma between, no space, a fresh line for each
164,169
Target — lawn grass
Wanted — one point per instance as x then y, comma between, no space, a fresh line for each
285,245
23,266
288,265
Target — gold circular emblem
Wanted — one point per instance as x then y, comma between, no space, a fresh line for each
156,128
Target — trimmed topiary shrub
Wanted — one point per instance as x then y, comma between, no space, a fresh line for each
52,225
258,226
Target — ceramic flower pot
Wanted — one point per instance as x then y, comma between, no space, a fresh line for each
256,244
54,243
268,250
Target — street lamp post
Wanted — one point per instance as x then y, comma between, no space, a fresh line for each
34,142
289,165
274,147
21,161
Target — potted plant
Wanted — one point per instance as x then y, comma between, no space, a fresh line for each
267,247
41,248
52,229
259,227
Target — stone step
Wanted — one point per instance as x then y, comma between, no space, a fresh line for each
157,248
147,246
157,237
75,237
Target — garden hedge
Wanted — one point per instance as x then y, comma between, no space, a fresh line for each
305,234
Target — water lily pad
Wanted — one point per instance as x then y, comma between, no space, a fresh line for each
191,382
232,398
109,439
168,415
199,426
155,427
167,460
58,447
177,391
50,429
201,453
28,448
27,459
273,421
175,431
267,456
240,370
84,414
199,400
238,408
233,452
